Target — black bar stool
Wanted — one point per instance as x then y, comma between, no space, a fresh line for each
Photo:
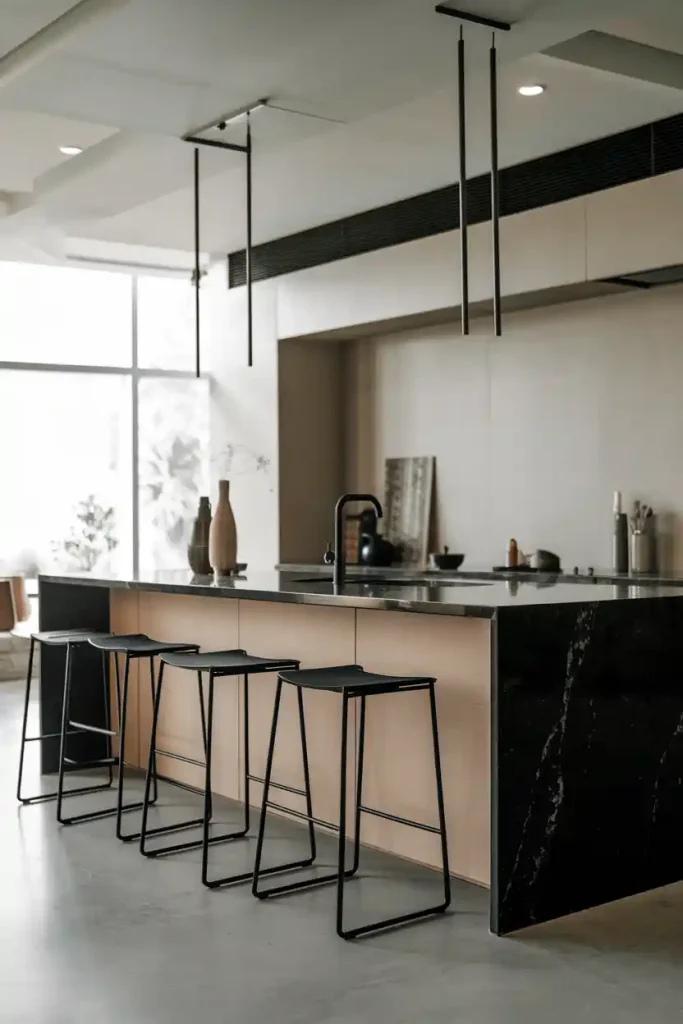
219,663
352,682
68,639
133,646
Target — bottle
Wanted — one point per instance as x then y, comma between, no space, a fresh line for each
512,559
223,534
198,548
620,540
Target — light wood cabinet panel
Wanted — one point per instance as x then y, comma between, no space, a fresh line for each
539,249
317,636
399,767
212,623
635,227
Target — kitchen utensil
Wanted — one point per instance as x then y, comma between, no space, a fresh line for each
445,560
641,552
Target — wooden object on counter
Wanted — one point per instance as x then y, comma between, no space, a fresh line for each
408,488
223,534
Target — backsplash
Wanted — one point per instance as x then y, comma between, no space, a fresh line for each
534,431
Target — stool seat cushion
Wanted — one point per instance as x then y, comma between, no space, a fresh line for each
349,677
228,662
60,637
137,643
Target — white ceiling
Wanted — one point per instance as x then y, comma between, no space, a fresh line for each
157,68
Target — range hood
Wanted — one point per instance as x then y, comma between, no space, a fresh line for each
645,279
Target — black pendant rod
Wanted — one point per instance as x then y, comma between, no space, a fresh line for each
197,270
250,305
476,19
495,191
462,141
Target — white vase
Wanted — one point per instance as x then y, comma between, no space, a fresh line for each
223,533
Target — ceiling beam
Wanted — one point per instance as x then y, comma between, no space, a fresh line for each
51,37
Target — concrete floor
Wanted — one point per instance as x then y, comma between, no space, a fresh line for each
90,930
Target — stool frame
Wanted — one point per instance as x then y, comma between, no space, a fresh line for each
67,639
343,873
207,840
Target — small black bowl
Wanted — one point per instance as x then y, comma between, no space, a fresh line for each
445,560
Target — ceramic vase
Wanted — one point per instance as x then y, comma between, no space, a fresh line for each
198,548
223,534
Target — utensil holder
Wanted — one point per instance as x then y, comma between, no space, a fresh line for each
641,552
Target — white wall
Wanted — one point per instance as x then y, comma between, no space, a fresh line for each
244,417
534,431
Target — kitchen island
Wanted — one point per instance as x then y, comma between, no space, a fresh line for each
560,714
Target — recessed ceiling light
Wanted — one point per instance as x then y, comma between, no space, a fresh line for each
70,150
531,90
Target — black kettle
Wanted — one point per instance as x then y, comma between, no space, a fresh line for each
373,549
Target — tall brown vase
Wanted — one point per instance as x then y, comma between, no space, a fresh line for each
198,548
223,534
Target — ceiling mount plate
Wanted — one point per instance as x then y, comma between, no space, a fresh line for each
475,19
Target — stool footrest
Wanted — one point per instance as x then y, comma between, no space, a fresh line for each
75,766
278,785
48,736
401,821
180,757
82,727
300,814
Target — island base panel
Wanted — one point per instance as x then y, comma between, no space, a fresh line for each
399,773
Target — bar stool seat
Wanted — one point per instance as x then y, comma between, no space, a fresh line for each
67,638
351,678
137,644
217,664
227,663
133,645
352,681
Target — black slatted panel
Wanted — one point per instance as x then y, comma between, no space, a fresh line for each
604,163
667,149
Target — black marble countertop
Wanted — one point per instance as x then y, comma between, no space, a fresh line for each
477,597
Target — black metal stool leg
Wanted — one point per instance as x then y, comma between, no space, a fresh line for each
266,790
245,747
307,774
155,784
24,724
151,760
62,742
121,808
208,742
440,801
202,712
341,852
359,790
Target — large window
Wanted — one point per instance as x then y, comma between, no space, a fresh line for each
104,427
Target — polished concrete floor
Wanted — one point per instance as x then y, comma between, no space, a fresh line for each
89,930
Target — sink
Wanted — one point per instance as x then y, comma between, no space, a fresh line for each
393,581
352,579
